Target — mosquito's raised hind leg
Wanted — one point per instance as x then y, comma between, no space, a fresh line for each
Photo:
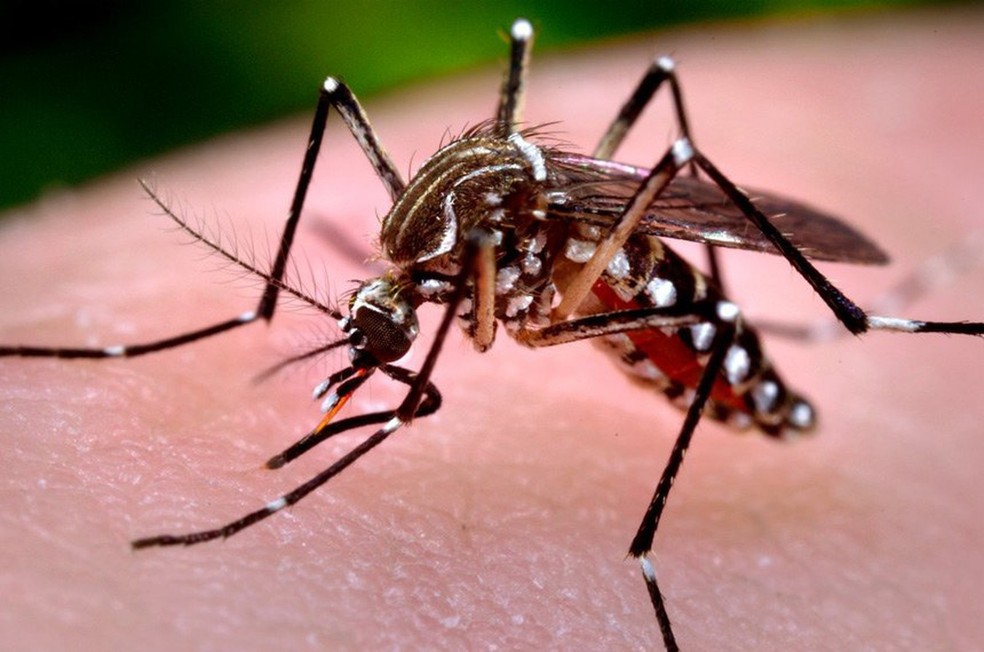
847,312
661,70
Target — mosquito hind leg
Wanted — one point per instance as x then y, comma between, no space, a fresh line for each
929,276
660,71
856,320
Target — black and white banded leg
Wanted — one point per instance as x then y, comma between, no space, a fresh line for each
848,313
724,316
429,404
509,113
661,70
931,275
333,95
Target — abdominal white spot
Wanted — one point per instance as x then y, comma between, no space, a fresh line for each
662,292
737,364
702,335
619,266
505,279
518,304
579,251
764,395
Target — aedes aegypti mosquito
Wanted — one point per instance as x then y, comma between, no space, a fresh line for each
503,226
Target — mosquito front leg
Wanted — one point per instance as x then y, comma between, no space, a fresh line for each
509,113
413,404
421,399
334,94
429,405
274,506
337,95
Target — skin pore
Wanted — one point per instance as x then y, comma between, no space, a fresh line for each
504,519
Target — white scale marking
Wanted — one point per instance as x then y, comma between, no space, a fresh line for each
532,154
618,266
532,266
801,415
764,395
683,151
432,286
522,30
579,251
320,389
392,425
505,279
721,236
330,402
276,505
662,292
727,311
894,324
518,304
703,335
737,364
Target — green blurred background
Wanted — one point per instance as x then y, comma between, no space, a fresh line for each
87,87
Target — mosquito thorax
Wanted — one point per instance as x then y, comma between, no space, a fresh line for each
481,180
381,321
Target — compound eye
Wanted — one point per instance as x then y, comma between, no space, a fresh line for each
384,337
384,323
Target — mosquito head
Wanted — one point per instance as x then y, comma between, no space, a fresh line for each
382,323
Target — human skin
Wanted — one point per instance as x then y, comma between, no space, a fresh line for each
503,520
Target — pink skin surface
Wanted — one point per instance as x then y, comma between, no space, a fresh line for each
503,520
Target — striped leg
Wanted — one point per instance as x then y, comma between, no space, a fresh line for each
509,113
391,423
660,71
724,316
847,312
333,94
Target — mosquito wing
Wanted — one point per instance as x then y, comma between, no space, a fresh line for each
595,191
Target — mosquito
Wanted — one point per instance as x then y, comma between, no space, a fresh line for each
504,227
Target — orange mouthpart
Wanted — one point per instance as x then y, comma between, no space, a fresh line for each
342,400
